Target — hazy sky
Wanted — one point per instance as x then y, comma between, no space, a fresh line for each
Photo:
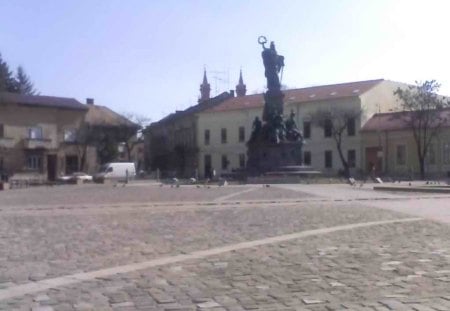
148,56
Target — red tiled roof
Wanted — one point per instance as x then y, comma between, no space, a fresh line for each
308,94
395,121
41,101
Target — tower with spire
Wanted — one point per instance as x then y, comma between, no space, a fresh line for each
205,89
241,88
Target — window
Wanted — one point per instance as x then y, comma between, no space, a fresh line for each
307,157
207,135
327,130
241,134
224,162
35,132
307,129
401,155
242,160
351,127
351,158
431,155
2,130
446,153
328,159
70,135
34,162
223,135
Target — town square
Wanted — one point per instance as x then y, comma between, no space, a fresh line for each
224,155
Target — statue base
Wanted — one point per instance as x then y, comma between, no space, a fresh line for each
264,157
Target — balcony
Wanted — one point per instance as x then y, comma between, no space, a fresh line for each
7,142
37,143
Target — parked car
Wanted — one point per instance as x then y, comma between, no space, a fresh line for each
76,176
119,171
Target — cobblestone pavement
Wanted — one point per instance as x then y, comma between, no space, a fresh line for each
401,266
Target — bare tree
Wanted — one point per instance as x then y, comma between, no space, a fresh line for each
336,122
425,119
85,137
132,136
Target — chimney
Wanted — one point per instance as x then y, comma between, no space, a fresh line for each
232,93
89,101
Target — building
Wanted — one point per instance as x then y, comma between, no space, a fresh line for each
171,145
212,135
50,136
224,129
38,134
389,145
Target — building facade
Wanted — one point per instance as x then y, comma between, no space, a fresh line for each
38,134
49,136
388,144
224,129
215,131
171,145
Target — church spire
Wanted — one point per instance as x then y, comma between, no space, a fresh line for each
205,88
241,88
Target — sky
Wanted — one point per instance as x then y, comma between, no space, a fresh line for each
146,57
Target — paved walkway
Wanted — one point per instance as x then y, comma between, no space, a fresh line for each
283,247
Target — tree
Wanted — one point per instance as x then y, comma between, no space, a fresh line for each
23,83
132,136
336,122
7,81
425,119
20,83
107,145
85,137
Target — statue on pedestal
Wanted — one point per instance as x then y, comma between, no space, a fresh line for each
275,143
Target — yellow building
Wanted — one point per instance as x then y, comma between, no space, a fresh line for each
213,134
224,129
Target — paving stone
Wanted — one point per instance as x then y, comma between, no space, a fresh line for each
364,264
42,308
208,305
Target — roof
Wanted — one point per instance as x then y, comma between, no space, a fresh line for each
207,104
41,101
103,116
308,94
396,121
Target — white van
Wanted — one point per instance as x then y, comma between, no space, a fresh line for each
118,171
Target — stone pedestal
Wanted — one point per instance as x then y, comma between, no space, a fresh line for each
266,157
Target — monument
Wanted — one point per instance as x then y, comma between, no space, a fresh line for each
275,145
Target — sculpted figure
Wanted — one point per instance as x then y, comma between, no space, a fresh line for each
256,129
292,131
273,63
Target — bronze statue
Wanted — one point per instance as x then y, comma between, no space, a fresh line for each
274,142
292,131
273,64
